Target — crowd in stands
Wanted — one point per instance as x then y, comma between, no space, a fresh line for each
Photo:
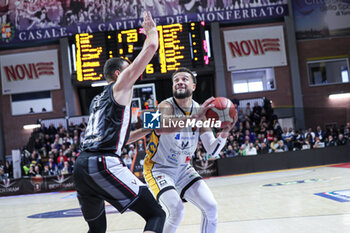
41,14
53,151
6,170
259,132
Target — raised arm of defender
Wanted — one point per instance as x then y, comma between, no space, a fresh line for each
122,89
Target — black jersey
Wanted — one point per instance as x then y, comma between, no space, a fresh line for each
108,128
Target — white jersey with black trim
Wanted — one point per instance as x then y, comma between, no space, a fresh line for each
175,148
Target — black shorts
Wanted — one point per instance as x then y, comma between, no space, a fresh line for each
102,177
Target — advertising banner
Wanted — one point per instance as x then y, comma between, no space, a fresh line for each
29,20
59,183
322,18
10,187
29,72
255,48
36,184
206,168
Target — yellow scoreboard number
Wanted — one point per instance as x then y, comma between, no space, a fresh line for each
179,45
88,58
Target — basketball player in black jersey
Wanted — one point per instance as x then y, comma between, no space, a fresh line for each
99,173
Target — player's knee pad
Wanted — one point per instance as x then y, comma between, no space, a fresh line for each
98,225
200,195
209,217
176,211
210,210
156,221
173,204
150,210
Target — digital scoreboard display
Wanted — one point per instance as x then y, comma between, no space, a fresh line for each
90,57
179,45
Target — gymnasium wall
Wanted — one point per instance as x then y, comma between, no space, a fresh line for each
319,109
284,160
282,77
15,137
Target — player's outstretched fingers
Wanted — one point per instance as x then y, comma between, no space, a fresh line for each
207,104
208,101
204,108
148,24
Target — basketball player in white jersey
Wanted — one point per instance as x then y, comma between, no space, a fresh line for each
166,167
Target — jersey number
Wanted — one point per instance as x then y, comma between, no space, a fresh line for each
92,127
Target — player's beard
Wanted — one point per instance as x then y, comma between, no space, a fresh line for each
182,95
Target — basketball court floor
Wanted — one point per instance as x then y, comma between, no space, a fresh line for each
308,200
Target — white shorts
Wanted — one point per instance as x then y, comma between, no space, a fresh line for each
161,178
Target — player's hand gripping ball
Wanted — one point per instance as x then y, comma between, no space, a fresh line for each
224,110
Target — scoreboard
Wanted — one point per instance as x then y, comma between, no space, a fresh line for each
179,45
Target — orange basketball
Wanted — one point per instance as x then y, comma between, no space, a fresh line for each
224,110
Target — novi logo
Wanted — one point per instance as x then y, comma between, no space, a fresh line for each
257,46
29,71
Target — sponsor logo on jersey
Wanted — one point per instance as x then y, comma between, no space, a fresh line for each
193,174
184,145
179,136
162,182
181,152
173,157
